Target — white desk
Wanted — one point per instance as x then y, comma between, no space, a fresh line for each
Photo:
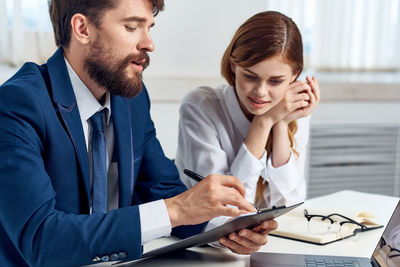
348,202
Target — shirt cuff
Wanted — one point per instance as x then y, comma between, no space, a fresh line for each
284,177
152,229
248,169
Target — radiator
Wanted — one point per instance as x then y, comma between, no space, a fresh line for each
361,157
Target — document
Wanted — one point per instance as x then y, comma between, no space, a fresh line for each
246,221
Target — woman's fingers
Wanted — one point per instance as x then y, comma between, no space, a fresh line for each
299,87
313,82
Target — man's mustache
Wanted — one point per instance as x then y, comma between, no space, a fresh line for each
137,58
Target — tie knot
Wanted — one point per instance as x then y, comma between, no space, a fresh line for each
97,121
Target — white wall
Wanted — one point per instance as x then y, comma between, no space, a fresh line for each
190,36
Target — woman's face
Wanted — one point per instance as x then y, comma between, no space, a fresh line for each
262,85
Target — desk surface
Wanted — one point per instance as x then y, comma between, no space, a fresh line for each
348,202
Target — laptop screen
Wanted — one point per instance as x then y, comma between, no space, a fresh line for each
387,252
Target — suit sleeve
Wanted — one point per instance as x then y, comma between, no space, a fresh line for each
42,234
158,177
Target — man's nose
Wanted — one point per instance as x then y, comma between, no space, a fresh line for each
145,42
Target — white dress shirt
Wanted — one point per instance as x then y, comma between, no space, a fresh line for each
212,131
87,106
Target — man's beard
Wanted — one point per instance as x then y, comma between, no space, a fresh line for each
110,72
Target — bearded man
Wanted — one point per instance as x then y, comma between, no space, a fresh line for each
83,178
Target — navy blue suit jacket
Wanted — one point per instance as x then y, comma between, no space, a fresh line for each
44,173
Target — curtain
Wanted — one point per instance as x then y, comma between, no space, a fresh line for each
358,34
25,32
346,34
337,35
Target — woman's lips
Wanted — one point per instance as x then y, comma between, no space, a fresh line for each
258,103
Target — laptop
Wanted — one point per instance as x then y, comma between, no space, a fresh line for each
386,253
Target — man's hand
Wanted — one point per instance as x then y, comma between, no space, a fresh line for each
247,241
208,199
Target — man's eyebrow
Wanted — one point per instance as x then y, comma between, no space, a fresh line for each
136,19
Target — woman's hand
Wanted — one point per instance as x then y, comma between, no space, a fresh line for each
296,97
307,105
298,101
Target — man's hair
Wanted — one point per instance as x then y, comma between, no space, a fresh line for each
62,11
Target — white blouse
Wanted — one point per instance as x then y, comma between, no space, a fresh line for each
212,131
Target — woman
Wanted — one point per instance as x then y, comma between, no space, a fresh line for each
248,128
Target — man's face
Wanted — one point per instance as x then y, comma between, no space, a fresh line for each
118,51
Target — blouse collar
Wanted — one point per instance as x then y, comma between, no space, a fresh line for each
235,111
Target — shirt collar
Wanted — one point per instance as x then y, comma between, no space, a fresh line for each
87,103
235,111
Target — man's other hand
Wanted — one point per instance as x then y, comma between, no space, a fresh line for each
247,241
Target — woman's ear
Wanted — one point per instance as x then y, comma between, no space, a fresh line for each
233,67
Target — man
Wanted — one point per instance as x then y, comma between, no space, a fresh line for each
83,176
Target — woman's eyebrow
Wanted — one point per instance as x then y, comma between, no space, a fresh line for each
271,77
251,72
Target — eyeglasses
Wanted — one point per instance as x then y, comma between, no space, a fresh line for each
333,223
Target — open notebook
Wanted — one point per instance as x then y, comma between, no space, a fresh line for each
294,225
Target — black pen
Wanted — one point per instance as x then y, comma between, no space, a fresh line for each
199,178
193,175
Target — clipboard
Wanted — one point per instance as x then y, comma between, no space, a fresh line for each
246,221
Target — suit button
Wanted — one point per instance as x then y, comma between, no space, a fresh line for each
96,259
105,258
122,255
113,257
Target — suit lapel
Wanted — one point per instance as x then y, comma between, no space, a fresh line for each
64,97
121,116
